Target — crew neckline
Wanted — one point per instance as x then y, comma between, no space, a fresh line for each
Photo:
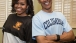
47,12
21,16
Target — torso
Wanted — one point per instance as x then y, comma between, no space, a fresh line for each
51,22
17,26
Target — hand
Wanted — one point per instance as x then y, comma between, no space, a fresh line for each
51,37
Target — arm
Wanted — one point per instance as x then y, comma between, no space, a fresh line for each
43,39
38,32
66,36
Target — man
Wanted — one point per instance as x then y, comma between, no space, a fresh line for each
49,26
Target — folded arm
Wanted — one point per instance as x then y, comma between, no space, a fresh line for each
66,36
43,39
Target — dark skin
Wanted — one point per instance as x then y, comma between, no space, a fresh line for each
21,7
66,36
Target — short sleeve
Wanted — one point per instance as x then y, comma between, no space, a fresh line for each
3,28
66,26
37,28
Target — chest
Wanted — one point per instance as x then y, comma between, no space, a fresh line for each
53,25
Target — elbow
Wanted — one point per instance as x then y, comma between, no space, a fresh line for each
73,38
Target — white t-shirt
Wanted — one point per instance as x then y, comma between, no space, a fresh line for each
44,23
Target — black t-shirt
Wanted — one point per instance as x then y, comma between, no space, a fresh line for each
20,27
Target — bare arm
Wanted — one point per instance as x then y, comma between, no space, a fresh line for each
42,39
66,36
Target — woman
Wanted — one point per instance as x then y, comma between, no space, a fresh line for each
18,26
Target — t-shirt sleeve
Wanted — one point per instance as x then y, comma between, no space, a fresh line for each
3,28
37,28
66,26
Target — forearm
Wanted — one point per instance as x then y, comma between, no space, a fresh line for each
42,39
67,36
52,38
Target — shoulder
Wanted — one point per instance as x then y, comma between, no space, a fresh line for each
58,13
38,15
61,15
11,15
